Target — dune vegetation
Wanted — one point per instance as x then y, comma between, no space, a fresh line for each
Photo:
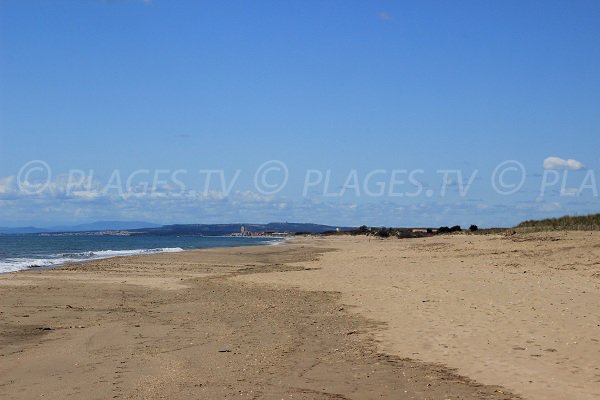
567,222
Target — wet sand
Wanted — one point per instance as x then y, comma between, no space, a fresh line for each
186,325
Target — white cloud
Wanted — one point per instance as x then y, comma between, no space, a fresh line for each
559,163
250,196
86,194
6,184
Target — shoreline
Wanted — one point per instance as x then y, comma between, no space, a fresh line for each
162,250
180,325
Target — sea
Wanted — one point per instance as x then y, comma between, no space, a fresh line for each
19,252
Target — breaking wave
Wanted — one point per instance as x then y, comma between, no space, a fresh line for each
20,263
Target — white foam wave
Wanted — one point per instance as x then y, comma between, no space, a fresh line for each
17,264
275,242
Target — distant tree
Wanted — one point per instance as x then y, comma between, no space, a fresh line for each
383,232
363,229
445,229
473,228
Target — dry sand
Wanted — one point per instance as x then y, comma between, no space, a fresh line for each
315,319
519,311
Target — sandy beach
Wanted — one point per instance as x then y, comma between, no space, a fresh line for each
449,317
519,311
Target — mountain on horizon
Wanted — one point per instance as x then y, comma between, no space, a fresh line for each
87,227
22,230
227,229
148,228
105,226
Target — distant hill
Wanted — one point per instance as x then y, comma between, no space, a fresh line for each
180,229
105,226
567,222
227,229
94,226
22,230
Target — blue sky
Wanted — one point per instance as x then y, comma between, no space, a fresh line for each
341,87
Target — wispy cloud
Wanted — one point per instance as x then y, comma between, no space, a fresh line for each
214,207
66,199
559,163
384,16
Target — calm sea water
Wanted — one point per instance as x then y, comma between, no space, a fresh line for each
19,252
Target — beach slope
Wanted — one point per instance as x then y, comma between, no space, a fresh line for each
186,325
